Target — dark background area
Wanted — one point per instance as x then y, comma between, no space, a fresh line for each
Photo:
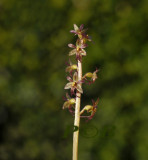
34,35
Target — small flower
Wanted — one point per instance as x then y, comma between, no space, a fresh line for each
79,46
87,108
78,49
81,33
74,84
93,76
71,67
78,31
69,101
90,108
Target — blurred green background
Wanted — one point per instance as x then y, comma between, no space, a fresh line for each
33,50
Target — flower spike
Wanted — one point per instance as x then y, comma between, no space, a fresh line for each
75,80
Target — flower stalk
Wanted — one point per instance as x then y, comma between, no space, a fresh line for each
77,115
75,85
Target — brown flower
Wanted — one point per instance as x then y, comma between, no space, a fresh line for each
78,49
74,84
81,33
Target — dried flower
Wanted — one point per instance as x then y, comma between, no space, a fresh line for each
74,84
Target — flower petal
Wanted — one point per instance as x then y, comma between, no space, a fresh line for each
82,26
80,81
84,45
72,52
83,31
79,88
72,101
73,31
76,27
88,108
88,74
75,77
69,79
71,45
67,96
72,91
65,105
68,85
68,69
83,53
97,101
68,103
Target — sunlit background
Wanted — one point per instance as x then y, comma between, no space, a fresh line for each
34,35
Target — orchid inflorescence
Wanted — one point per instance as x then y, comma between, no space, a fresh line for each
75,84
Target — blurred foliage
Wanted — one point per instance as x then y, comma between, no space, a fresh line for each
33,50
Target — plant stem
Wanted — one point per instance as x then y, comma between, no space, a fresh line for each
77,115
